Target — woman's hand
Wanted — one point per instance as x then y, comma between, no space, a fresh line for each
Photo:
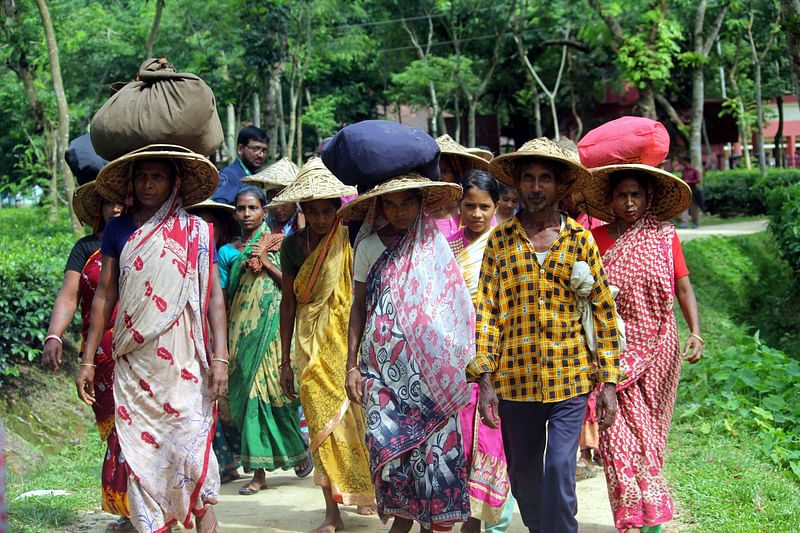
488,404
85,384
51,354
287,381
693,351
354,386
218,384
258,249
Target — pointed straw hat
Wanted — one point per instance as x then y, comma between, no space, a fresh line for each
211,204
503,167
86,202
199,177
314,182
435,194
671,195
450,148
480,152
278,175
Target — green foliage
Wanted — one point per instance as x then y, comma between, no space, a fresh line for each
646,57
742,191
31,269
784,209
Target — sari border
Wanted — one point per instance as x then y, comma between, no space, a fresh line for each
330,425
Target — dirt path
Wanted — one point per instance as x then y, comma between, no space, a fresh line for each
296,505
724,230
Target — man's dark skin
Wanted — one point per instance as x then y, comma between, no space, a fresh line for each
540,190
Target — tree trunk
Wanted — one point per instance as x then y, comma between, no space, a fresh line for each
63,110
151,37
779,158
696,126
271,115
762,156
790,17
231,140
299,159
471,109
457,110
18,61
293,96
647,103
256,109
52,165
435,110
281,121
537,112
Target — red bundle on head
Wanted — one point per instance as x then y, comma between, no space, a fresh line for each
625,140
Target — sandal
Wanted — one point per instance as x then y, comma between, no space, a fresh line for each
231,475
304,469
253,487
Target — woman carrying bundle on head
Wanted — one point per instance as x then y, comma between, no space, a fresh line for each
408,345
643,258
250,273
317,293
81,277
169,335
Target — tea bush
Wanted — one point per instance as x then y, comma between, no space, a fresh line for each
742,191
31,269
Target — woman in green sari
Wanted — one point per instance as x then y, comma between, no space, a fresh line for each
250,274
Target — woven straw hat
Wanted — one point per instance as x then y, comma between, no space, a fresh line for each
450,148
211,204
503,167
671,195
480,152
199,176
314,182
278,175
435,194
86,203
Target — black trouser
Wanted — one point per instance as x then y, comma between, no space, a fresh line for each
541,443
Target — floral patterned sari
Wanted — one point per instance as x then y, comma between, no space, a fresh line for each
165,417
114,475
418,339
641,264
323,287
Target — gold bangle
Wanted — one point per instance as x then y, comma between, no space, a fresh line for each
219,360
353,369
89,364
698,337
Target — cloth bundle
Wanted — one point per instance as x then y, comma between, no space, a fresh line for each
83,160
582,282
161,106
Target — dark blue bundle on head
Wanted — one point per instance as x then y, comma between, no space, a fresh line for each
370,152
83,160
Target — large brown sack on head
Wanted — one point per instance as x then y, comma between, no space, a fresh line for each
161,107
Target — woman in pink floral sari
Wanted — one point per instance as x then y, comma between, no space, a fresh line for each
169,336
411,336
643,258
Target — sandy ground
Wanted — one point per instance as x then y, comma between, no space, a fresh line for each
292,505
724,230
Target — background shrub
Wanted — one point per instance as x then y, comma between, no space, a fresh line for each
31,269
784,211
744,192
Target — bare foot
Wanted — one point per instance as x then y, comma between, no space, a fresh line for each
329,525
401,525
366,510
208,522
473,525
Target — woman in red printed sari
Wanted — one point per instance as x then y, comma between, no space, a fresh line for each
412,333
643,258
81,276
169,339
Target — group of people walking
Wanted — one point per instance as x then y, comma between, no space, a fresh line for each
443,324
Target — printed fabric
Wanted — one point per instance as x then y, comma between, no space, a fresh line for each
268,421
115,471
529,332
419,337
641,265
323,287
165,417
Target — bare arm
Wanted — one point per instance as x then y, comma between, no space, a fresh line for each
218,323
693,350
105,298
63,310
288,315
358,320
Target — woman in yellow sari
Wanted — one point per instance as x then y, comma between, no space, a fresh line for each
316,264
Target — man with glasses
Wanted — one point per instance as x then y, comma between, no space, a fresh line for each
251,152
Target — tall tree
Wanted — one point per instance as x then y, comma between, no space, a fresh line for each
790,14
151,37
63,110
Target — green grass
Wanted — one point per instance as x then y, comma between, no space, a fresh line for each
719,475
75,469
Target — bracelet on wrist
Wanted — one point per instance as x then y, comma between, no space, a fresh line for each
53,337
698,337
285,364
352,369
219,360
88,364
